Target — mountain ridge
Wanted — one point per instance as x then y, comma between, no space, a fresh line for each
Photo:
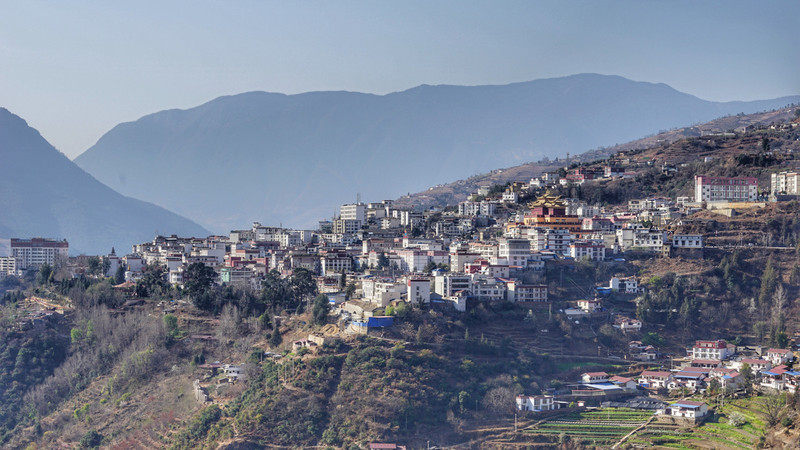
293,159
46,194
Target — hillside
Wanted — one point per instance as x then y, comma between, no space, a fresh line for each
293,159
452,193
42,193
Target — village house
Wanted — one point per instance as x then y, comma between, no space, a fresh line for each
718,349
778,356
685,408
536,403
654,379
594,377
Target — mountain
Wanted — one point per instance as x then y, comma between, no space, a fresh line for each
42,193
295,158
451,193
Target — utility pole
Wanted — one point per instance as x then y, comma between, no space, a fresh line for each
515,422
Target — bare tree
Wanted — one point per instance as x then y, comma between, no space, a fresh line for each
229,322
772,406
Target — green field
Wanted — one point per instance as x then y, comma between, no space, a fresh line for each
594,427
607,426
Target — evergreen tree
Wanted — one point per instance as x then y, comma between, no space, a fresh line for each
275,339
119,276
321,309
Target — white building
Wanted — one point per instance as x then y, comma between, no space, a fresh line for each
587,250
711,350
785,183
482,208
628,285
36,252
685,408
732,189
518,292
687,241
447,285
8,265
353,211
536,403
514,251
419,290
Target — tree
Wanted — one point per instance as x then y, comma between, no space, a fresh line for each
198,278
343,281
171,325
45,275
94,266
748,377
383,261
322,307
771,407
275,339
351,289
119,276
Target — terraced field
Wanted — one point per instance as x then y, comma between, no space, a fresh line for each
597,427
716,432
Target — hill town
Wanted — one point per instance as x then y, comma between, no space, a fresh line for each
641,299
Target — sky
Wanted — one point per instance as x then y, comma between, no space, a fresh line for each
74,70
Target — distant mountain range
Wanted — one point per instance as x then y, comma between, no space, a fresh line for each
293,159
42,193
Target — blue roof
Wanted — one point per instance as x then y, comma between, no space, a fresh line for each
684,405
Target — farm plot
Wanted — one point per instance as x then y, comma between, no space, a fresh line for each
598,427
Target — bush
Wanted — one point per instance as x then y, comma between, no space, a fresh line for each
737,419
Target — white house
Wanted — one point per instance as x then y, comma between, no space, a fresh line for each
685,408
589,306
711,350
594,377
654,379
536,403
778,356
628,285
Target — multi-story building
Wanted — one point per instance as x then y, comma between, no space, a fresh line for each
354,211
785,183
711,350
587,250
733,189
447,285
519,292
419,290
515,252
36,252
482,208
8,265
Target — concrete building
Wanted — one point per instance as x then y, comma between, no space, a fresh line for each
732,189
36,252
785,183
515,252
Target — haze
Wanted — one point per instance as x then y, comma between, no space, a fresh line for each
74,70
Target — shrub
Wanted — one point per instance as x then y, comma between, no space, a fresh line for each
737,419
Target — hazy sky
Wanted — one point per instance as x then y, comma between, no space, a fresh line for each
73,70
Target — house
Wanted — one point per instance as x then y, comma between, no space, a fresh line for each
718,349
628,285
689,379
623,382
705,363
654,379
774,378
234,373
756,365
778,356
729,379
536,403
685,408
589,306
594,377
631,325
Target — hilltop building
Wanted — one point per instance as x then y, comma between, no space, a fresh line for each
732,189
36,252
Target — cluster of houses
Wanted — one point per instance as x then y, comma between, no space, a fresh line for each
719,362
712,363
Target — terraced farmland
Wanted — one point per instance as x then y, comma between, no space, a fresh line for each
597,427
